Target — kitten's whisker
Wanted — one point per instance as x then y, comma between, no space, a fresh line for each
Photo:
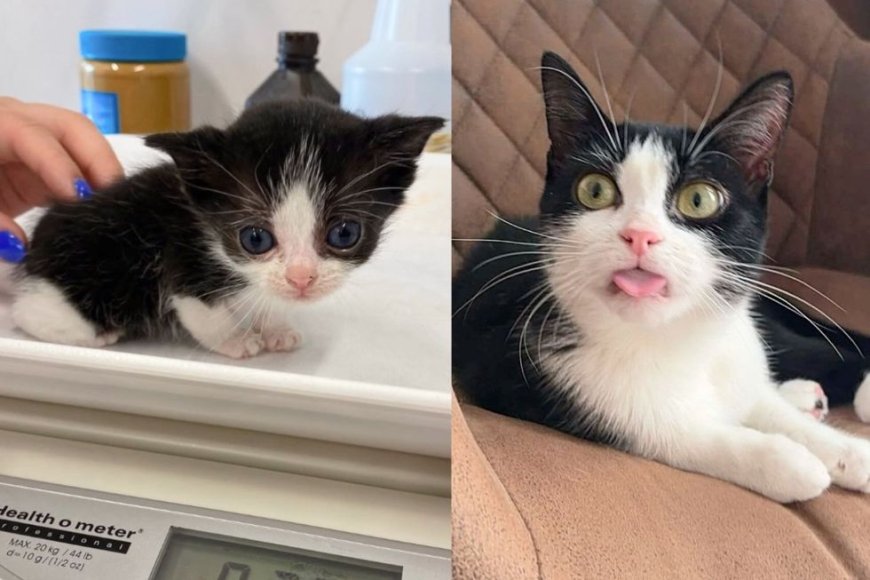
362,176
244,200
361,213
227,171
256,170
250,316
369,202
373,189
223,289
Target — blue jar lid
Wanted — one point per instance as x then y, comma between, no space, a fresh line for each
132,45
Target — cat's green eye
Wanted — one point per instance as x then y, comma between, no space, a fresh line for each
596,191
699,201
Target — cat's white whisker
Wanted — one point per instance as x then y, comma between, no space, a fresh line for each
512,242
521,270
713,98
783,273
521,228
607,101
749,284
814,308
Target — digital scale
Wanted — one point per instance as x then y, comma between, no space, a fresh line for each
52,532
160,461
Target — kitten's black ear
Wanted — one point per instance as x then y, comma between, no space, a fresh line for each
752,127
404,135
571,110
190,150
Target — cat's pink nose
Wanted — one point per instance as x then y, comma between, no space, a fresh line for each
300,276
639,240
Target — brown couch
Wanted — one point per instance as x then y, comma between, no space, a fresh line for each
530,502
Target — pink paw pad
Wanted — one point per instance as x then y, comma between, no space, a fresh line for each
808,396
820,407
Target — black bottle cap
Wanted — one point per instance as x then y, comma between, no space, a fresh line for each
297,45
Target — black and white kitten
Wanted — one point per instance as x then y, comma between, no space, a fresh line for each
624,312
276,209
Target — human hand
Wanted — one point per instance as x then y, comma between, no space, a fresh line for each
46,153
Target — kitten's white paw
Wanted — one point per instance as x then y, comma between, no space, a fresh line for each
281,339
106,339
41,310
244,346
848,461
786,471
862,400
807,396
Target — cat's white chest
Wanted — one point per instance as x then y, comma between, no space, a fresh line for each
647,385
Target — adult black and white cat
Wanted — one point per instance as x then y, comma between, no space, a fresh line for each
624,312
276,209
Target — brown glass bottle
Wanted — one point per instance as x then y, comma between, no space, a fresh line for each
297,76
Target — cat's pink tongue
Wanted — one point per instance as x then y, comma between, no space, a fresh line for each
639,283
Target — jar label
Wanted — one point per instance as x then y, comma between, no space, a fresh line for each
101,108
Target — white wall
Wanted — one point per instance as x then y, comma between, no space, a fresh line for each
231,43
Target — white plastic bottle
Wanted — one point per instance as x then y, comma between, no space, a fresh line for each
405,67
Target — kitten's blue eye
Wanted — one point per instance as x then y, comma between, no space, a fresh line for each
344,235
256,240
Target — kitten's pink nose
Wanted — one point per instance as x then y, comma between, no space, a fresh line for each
300,275
639,240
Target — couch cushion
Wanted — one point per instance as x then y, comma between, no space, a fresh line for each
594,512
494,542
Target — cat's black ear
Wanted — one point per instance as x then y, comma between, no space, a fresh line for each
571,110
192,150
752,127
406,136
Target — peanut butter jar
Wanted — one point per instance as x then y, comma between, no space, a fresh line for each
135,81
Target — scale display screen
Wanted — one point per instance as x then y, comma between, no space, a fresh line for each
51,532
192,554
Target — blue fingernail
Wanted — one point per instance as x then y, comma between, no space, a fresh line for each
11,248
83,190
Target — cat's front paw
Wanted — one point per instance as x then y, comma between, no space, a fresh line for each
862,400
848,462
281,339
787,471
244,346
807,396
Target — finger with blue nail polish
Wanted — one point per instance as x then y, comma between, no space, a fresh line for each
83,190
11,247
